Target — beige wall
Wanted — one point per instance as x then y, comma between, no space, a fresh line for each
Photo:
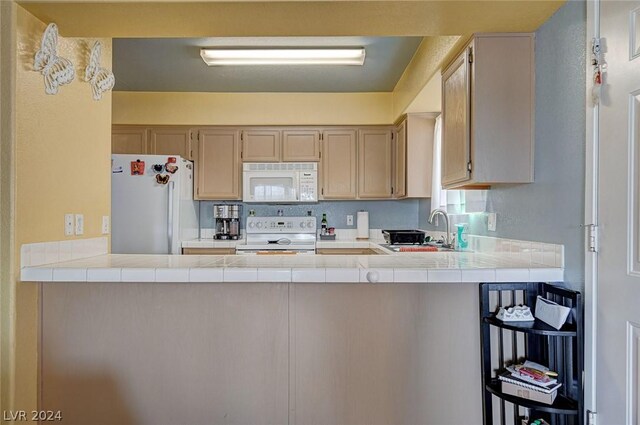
426,62
251,108
429,99
62,166
7,283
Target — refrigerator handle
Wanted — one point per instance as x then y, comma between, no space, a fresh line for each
170,217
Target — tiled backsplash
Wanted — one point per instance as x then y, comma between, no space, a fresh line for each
398,214
548,254
36,254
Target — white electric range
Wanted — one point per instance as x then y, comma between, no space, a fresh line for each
279,235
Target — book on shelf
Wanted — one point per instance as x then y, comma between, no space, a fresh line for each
528,394
533,373
506,376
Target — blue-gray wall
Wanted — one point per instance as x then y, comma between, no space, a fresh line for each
551,209
401,214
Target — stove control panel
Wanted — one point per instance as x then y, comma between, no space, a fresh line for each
281,225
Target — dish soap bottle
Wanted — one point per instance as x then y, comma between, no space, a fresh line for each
461,236
323,224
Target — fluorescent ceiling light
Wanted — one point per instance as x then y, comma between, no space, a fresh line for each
288,56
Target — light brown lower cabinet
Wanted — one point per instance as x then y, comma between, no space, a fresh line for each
346,251
208,251
261,353
385,354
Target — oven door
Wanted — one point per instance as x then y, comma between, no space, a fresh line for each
270,186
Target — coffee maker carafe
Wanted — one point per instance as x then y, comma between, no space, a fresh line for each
227,218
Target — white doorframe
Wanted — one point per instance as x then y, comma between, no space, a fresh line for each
591,214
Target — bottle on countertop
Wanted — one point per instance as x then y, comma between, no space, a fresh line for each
461,236
323,224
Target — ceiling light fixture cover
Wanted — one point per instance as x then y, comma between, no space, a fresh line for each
288,56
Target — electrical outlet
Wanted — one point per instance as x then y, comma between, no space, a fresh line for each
491,222
105,224
68,224
349,220
79,224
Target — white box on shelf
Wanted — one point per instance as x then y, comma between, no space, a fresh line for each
551,313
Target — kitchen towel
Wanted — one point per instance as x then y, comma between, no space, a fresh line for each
363,225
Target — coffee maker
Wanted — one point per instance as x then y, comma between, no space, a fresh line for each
227,218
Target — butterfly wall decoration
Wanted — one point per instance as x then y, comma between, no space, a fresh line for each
56,70
101,79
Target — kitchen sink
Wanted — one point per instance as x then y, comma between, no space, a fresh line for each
408,248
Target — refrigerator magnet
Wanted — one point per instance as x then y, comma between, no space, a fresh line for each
158,168
137,168
170,168
172,160
162,178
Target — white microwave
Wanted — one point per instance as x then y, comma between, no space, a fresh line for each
288,182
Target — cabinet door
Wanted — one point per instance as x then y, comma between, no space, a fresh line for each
374,163
399,189
261,145
455,122
338,164
128,140
170,141
208,251
218,167
380,359
300,145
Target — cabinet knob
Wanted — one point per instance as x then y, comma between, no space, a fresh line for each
373,276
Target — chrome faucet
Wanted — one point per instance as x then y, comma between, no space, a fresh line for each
443,213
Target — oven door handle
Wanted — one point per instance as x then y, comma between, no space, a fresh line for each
281,241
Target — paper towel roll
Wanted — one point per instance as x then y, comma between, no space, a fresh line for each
363,225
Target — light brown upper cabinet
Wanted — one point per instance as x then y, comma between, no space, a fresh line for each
218,168
170,141
413,156
399,188
339,164
488,98
374,163
128,139
260,145
299,145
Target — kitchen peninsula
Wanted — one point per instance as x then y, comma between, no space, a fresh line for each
285,339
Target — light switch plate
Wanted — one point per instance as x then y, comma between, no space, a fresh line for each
105,224
68,224
79,224
349,220
491,222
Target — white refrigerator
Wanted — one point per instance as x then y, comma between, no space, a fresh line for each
149,216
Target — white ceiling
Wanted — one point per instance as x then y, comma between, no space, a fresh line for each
174,64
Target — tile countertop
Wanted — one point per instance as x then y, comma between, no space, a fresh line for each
491,260
406,267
